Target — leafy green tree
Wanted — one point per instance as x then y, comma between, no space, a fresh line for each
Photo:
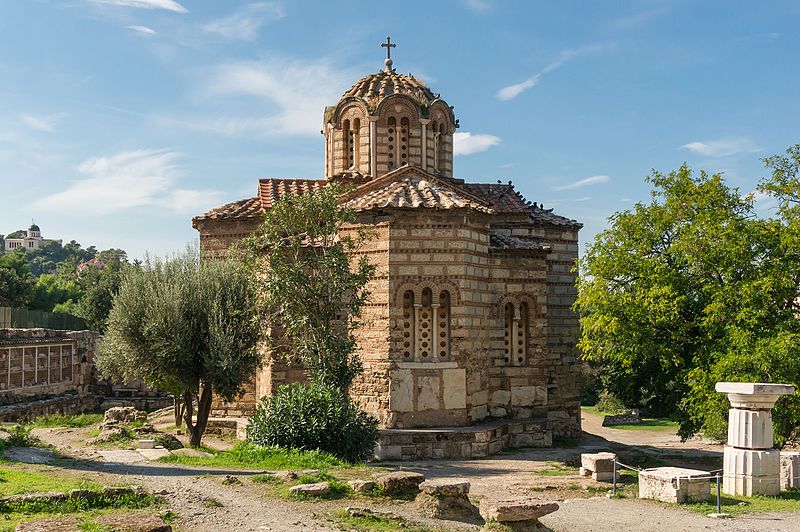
184,326
51,290
687,290
16,281
100,287
311,288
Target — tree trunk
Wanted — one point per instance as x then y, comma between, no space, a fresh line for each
197,429
177,410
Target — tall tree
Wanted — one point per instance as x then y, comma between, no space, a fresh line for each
686,290
312,286
184,326
16,281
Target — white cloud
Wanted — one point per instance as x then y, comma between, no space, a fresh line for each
244,23
169,5
585,198
722,147
126,180
478,6
41,123
512,91
639,18
290,97
593,180
142,29
467,143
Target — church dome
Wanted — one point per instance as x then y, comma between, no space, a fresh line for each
34,227
373,88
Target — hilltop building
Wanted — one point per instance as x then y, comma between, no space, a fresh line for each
32,240
470,322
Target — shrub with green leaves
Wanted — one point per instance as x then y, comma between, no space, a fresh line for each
314,416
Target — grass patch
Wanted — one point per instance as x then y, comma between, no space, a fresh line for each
211,502
79,504
374,523
265,478
654,424
21,436
18,481
787,501
246,455
557,469
73,421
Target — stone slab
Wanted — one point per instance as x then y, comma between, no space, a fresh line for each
29,455
316,489
754,388
454,384
122,456
401,391
519,509
400,481
598,462
153,454
674,484
790,470
445,486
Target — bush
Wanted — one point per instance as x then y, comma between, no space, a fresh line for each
608,404
314,417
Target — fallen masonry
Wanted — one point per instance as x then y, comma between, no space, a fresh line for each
314,490
600,466
674,484
516,513
446,499
400,482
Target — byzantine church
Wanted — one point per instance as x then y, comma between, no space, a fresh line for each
468,339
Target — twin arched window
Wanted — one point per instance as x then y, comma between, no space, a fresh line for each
517,325
426,326
351,142
397,147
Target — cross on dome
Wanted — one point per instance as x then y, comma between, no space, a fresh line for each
388,45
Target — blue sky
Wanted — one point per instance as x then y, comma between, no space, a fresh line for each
120,119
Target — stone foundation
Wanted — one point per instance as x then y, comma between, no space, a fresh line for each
462,442
63,404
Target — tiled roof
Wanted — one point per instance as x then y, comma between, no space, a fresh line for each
508,242
374,87
504,199
271,190
414,191
246,208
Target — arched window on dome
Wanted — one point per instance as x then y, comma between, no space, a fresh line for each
392,142
347,142
353,144
403,141
441,156
436,147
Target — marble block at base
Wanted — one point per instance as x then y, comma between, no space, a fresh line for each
598,462
750,429
674,484
749,472
790,470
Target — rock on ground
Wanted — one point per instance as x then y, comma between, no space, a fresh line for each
519,509
315,490
400,482
446,499
54,524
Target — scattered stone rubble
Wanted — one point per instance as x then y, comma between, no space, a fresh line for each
400,482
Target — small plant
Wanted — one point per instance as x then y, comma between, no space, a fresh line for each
21,436
211,502
66,420
265,478
366,521
556,469
331,421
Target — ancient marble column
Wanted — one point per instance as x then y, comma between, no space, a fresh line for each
751,463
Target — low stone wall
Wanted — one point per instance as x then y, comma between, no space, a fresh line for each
63,404
462,442
629,418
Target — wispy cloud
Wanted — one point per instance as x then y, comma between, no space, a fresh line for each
289,95
593,180
144,30
466,143
244,23
639,18
478,6
41,123
585,198
512,91
130,179
169,5
724,147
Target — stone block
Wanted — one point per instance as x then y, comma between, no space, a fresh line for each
445,486
513,510
790,470
361,486
528,395
750,429
500,398
674,484
427,393
454,384
312,490
598,462
401,390
748,472
498,411
400,482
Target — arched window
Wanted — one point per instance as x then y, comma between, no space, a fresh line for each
440,152
426,326
392,138
408,325
347,143
436,146
352,144
403,142
515,335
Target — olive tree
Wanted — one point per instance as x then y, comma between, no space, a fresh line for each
184,325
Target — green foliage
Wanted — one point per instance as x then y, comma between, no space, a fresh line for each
693,288
314,417
18,481
99,288
186,327
608,404
93,501
66,420
366,521
246,455
22,436
52,290
312,284
16,281
557,469
787,501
